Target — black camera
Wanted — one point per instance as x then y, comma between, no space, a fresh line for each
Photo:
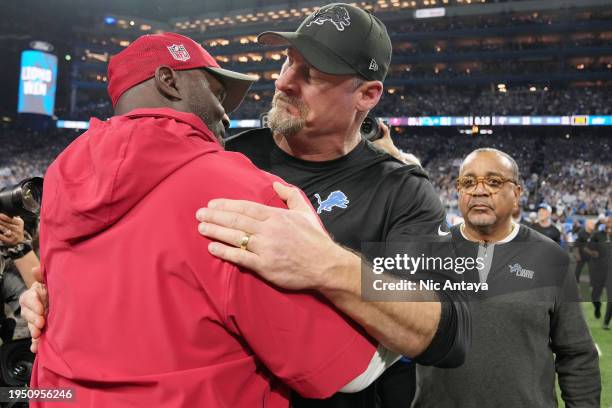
22,199
370,129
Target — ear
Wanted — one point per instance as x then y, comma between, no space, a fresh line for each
166,81
368,95
517,190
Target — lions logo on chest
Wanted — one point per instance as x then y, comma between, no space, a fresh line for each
335,199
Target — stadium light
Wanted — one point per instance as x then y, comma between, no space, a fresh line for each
110,20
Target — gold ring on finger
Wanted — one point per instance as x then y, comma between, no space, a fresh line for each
245,241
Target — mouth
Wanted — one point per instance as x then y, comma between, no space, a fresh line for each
479,207
289,107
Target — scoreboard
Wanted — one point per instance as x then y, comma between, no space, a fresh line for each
37,82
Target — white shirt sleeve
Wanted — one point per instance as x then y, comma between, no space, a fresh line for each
381,360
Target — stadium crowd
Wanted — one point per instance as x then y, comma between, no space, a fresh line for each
480,22
446,101
433,101
581,184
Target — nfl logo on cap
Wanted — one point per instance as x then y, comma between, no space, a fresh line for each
178,52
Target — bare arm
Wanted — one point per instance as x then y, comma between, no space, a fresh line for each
25,266
386,144
406,327
290,249
12,234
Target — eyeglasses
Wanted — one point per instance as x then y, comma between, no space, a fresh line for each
492,184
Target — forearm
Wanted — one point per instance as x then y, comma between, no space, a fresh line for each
576,356
24,265
405,327
579,378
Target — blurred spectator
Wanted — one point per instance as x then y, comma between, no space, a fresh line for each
447,101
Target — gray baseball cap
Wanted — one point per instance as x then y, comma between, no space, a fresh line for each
340,39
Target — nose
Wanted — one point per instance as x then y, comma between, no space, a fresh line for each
480,189
287,81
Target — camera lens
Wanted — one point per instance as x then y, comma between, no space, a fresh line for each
23,198
370,129
31,197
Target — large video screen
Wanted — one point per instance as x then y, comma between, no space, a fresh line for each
37,82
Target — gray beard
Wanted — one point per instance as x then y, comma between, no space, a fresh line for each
284,124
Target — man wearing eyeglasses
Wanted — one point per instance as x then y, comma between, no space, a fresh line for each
529,326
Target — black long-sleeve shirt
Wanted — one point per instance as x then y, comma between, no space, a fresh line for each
368,196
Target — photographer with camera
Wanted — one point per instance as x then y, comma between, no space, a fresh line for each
16,246
19,209
378,133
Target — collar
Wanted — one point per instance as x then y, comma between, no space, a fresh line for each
507,238
184,117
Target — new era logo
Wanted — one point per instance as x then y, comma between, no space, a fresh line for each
179,52
373,66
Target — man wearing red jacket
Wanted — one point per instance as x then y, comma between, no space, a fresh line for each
141,314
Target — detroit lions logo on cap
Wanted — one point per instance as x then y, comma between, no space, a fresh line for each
179,52
335,199
337,15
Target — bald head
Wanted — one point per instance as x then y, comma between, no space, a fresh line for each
505,160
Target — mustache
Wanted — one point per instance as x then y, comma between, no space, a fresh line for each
289,100
474,203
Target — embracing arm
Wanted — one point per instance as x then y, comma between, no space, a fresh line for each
405,327
290,249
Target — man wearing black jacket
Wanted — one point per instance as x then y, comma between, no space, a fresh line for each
528,326
336,62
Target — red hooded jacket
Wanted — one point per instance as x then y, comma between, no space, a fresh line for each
140,313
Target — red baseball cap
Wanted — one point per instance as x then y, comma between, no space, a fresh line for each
140,59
